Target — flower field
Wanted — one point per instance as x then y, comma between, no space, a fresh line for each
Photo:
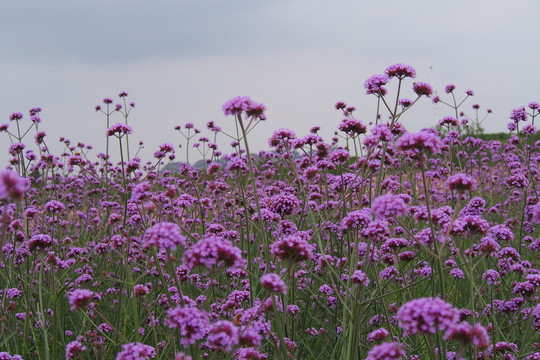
377,244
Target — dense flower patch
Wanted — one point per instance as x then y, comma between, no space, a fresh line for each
381,244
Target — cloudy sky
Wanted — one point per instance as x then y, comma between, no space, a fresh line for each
181,60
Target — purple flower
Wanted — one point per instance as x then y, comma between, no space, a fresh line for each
16,116
136,351
165,236
6,356
223,334
182,356
382,132
460,182
292,247
80,298
462,332
54,206
359,277
352,127
12,186
282,138
192,323
448,121
378,335
73,349
119,130
422,89
355,220
536,214
209,251
419,142
240,104
517,181
274,283
400,71
39,241
284,204
405,102
16,148
388,206
386,351
374,84
457,274
426,316
480,336
449,88
250,353
518,115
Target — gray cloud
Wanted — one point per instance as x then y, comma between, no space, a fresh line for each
180,60
120,31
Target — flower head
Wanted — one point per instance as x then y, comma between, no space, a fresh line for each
119,130
16,116
460,182
274,283
136,351
73,349
192,323
426,316
12,186
519,115
374,84
223,334
165,236
388,206
386,351
292,247
209,251
536,214
400,71
244,104
422,89
419,142
80,298
359,277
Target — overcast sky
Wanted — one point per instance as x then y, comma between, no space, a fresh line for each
181,60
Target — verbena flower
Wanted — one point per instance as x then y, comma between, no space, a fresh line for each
386,206
211,250
420,142
400,71
386,351
292,247
374,84
74,349
244,104
377,335
136,351
192,323
359,277
224,335
80,298
119,130
274,283
422,89
165,236
460,182
12,186
426,316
